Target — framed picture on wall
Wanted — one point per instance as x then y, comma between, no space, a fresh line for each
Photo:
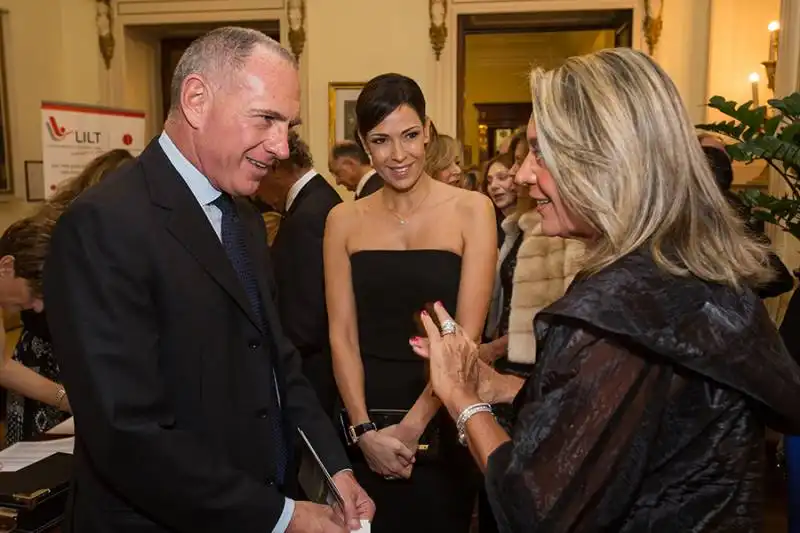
342,98
34,181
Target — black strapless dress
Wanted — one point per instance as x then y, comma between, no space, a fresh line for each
390,288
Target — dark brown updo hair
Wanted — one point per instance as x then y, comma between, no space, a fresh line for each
381,96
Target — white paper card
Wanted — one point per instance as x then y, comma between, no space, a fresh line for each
366,527
22,454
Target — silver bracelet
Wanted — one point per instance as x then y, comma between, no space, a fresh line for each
466,414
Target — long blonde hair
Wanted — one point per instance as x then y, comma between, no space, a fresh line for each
619,144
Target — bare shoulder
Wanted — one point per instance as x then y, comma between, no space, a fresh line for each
341,217
474,204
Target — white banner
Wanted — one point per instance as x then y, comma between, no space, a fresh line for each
74,134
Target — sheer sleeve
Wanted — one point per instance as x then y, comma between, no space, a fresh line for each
580,441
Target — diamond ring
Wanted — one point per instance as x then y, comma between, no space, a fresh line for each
448,327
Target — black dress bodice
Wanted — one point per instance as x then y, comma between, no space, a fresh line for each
391,287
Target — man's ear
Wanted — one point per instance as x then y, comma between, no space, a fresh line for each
195,99
7,267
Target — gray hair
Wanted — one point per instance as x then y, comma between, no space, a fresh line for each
617,139
222,50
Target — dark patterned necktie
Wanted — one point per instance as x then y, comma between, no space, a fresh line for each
233,240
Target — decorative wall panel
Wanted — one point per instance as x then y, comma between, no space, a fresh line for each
147,7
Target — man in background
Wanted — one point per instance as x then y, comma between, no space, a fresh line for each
351,166
305,198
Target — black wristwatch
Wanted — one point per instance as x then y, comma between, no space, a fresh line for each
355,432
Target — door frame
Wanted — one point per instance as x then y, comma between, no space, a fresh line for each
445,94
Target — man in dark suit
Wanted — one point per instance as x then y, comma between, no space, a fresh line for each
186,393
305,199
351,166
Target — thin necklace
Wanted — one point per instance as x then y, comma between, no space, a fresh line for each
404,220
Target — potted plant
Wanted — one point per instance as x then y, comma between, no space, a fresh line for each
770,133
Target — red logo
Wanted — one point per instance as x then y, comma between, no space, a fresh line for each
127,139
57,133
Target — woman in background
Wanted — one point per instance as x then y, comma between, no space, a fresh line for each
386,257
37,403
443,156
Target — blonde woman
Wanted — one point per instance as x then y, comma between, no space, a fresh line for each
658,369
443,159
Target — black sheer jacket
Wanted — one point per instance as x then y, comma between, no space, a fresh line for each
646,409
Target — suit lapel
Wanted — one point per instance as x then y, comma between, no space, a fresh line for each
257,247
187,222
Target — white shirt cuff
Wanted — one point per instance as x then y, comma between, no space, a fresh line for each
285,518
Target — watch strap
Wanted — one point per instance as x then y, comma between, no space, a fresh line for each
355,432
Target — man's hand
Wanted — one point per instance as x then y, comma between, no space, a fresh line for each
357,504
314,518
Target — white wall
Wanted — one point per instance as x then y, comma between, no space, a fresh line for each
355,40
143,83
739,42
683,50
43,63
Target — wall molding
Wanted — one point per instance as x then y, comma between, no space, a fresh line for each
148,7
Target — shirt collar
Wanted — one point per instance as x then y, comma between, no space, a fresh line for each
201,188
364,179
297,186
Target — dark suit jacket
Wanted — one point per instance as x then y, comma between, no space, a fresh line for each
300,278
373,184
165,363
299,273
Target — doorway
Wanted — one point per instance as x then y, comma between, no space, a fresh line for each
495,54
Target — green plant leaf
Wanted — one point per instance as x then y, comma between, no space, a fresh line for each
771,125
789,105
790,132
737,154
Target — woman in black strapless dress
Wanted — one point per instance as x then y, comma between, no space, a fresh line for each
416,241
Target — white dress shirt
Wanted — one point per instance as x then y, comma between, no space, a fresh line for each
363,181
297,186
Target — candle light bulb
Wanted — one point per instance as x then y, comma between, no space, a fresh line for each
754,79
773,28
